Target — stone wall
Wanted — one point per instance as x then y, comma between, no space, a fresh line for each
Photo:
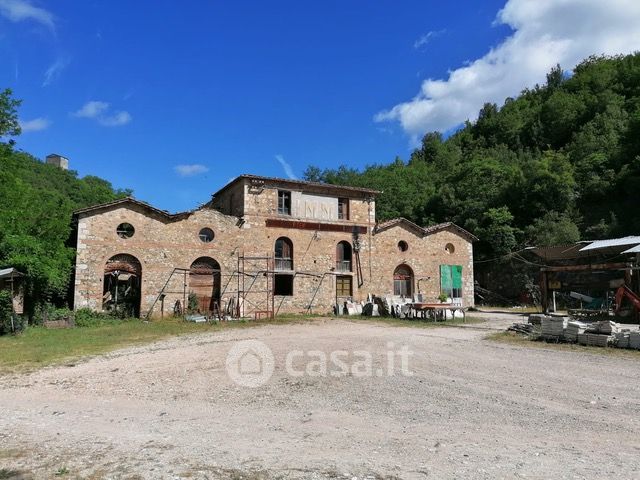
158,244
162,243
424,256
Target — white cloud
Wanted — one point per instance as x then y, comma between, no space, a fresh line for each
53,72
546,32
116,120
100,111
426,38
19,10
34,125
92,109
286,167
190,170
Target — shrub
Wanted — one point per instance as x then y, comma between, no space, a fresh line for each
48,311
85,317
192,303
9,322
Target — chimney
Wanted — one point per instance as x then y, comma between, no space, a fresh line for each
58,160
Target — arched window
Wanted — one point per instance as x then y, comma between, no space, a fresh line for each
343,256
284,254
403,281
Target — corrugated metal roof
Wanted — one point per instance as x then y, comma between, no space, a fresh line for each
613,242
635,249
560,252
10,272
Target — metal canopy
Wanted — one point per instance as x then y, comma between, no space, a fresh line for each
613,242
10,273
635,249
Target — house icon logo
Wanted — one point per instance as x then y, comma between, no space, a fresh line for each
250,363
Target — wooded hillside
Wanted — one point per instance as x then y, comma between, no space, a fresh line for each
37,202
560,162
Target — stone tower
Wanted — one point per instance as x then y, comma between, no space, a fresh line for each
58,160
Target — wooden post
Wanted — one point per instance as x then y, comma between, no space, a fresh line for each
544,293
13,311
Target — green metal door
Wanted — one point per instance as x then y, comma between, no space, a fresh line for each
451,280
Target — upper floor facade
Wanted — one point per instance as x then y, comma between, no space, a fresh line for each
255,199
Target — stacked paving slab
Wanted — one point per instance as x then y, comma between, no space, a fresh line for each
598,334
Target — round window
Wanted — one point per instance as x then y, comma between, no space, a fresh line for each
125,230
206,235
449,248
403,246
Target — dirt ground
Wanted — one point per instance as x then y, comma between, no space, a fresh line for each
473,408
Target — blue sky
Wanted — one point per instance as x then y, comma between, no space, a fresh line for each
172,99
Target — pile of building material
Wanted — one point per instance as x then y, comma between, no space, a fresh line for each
553,328
622,339
601,333
526,328
603,327
595,339
196,318
536,318
574,328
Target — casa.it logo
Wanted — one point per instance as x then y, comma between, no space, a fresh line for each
250,363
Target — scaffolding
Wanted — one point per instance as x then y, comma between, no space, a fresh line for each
254,292
255,286
182,308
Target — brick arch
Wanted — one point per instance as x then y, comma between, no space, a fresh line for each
124,262
403,278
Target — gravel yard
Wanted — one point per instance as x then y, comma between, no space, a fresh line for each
472,408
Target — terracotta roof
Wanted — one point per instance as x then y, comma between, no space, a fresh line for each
300,183
397,221
424,230
133,201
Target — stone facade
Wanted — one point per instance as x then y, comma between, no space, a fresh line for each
247,221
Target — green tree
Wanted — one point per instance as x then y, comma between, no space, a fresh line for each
9,124
35,219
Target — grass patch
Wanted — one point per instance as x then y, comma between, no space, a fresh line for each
416,322
9,474
513,338
38,346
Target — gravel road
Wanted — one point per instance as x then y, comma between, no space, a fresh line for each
472,408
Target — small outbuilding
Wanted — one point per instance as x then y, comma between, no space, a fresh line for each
590,272
12,280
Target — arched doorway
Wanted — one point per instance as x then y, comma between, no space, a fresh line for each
204,285
403,281
121,285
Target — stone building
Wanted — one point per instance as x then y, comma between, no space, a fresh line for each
57,161
262,246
